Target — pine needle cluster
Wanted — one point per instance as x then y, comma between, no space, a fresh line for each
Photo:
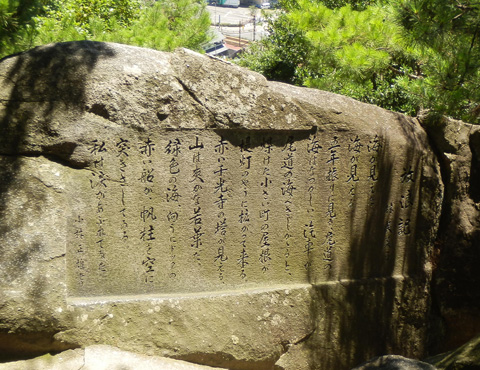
403,55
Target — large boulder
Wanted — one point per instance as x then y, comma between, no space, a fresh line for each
457,249
176,205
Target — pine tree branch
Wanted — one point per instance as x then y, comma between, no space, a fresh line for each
464,8
472,44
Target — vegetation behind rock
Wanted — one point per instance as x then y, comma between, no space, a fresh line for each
403,55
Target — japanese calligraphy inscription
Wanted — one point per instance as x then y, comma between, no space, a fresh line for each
203,210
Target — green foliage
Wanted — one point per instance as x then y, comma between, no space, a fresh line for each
354,53
281,56
358,53
163,25
355,4
16,23
80,13
333,4
167,25
448,33
406,56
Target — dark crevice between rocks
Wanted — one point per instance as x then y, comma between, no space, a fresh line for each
16,347
433,136
455,315
474,188
439,146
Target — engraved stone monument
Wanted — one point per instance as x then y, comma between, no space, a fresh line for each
177,205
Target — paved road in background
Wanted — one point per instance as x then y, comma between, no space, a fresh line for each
222,16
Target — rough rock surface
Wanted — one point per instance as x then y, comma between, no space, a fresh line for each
457,252
466,357
101,357
392,362
360,185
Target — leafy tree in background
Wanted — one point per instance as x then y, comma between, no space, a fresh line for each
16,23
82,19
162,25
168,24
354,4
354,53
448,34
282,55
402,55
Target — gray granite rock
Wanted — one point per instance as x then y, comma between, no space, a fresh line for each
175,205
457,274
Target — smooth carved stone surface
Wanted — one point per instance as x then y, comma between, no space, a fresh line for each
177,205
175,212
